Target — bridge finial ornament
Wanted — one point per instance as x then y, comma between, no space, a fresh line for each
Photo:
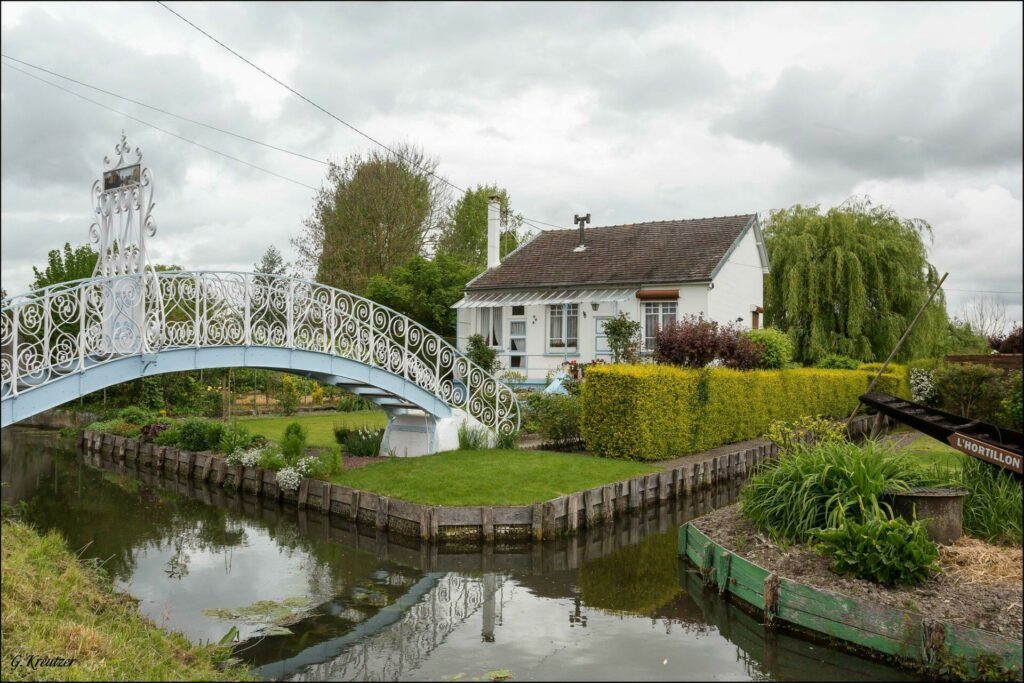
123,204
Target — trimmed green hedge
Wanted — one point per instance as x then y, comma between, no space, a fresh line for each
655,412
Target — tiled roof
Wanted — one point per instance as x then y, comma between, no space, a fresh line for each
662,251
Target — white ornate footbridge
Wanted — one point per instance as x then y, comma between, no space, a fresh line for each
130,321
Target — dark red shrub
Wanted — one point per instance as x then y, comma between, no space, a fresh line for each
1011,343
150,431
693,342
741,353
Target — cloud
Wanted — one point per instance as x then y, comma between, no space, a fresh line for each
630,112
938,111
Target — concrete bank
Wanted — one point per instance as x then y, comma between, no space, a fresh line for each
541,521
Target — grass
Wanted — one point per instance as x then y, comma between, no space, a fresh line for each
931,452
488,477
54,605
319,427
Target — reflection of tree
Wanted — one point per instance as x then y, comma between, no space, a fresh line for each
637,579
112,519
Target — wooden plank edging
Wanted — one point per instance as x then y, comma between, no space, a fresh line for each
895,633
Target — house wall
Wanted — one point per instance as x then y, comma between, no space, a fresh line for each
738,285
693,299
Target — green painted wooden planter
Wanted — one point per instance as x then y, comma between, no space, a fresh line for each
895,633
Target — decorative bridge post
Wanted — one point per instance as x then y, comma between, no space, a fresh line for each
123,203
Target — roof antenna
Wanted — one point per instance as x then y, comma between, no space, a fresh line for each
581,221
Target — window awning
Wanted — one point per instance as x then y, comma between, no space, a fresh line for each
546,296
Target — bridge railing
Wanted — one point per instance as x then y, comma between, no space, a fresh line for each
67,328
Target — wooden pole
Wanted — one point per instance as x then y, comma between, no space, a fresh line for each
906,334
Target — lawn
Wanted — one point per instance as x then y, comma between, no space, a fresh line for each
319,426
929,452
488,477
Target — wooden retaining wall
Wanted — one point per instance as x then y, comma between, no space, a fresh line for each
540,521
891,632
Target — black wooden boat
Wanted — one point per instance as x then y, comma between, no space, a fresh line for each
995,445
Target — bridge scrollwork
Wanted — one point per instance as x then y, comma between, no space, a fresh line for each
73,327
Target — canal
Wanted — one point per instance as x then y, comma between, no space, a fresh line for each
318,598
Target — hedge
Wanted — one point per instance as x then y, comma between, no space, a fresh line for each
900,372
655,412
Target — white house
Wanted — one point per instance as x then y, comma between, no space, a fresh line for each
546,303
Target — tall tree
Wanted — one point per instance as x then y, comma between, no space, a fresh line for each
373,214
71,264
271,263
464,234
424,289
849,281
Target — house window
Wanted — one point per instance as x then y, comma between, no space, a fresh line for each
657,314
490,325
563,324
519,310
517,344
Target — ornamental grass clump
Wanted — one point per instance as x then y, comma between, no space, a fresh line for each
825,486
993,505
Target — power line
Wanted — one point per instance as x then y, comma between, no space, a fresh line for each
528,221
306,99
162,130
981,291
164,111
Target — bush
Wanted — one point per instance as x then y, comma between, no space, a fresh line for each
361,442
196,434
993,504
825,487
271,458
778,348
136,415
235,438
974,391
1010,343
472,438
480,353
922,387
150,432
654,412
117,427
886,551
507,440
293,443
790,435
350,403
556,417
290,394
837,362
1011,405
623,337
169,436
694,342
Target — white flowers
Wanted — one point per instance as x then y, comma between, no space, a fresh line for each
249,457
307,466
922,390
288,478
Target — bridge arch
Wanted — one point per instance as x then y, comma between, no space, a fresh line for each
67,340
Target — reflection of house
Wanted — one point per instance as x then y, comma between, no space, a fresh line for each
546,302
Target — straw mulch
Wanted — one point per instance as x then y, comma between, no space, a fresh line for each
969,560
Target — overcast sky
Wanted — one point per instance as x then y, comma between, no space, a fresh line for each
630,112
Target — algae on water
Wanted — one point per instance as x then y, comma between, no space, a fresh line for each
262,611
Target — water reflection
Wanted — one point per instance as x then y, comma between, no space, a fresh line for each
610,604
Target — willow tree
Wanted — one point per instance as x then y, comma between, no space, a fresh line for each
849,281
